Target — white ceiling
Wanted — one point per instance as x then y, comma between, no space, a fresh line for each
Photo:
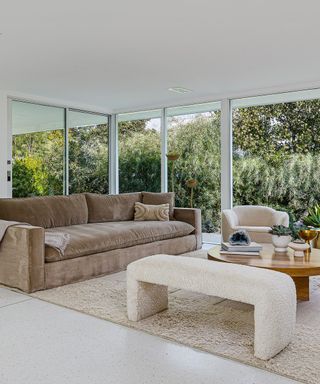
123,55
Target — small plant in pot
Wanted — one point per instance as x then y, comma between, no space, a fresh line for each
298,245
312,221
281,237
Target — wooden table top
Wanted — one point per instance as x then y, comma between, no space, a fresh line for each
309,265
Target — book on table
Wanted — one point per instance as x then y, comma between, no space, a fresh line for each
241,249
222,252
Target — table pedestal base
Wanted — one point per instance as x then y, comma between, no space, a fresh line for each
302,286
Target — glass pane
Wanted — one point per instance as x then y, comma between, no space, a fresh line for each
37,149
194,164
276,156
88,152
140,155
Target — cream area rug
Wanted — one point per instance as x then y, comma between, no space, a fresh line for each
211,324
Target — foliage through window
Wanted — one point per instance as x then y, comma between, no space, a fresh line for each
37,150
276,155
88,152
195,138
140,155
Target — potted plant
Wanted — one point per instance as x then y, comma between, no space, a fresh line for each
281,237
298,244
313,220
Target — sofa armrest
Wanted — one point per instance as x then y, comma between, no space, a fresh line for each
191,216
22,258
281,218
229,221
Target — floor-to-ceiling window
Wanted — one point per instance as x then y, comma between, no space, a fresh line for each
194,160
276,153
88,152
37,149
139,151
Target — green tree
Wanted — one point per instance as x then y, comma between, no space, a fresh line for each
88,159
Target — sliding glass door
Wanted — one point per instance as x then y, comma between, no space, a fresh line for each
194,160
276,150
37,149
139,152
88,152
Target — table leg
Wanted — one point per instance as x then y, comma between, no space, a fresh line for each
302,286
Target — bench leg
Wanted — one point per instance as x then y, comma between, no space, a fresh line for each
274,327
145,299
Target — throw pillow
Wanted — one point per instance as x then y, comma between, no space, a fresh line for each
145,212
159,198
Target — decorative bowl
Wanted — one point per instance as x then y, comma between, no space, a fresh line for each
308,235
298,248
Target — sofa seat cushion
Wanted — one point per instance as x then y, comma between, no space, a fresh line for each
93,238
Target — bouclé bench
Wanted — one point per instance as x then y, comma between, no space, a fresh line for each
273,294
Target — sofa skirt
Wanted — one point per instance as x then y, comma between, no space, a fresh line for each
99,264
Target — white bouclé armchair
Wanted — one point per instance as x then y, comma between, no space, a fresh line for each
256,220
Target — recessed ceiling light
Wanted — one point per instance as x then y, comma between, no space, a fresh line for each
179,90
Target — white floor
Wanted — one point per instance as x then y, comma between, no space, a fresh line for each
46,344
211,238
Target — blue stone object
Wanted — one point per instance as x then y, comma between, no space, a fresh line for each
240,237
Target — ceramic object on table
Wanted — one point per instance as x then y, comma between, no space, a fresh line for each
299,248
281,243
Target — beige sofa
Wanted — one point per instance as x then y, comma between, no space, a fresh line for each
256,220
104,238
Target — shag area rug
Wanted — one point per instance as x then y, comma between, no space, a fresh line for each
211,324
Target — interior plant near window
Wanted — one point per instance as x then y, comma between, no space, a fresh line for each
281,237
313,220
313,217
280,230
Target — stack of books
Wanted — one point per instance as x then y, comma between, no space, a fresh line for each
248,250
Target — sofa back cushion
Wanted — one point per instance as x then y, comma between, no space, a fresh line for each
104,208
152,198
46,212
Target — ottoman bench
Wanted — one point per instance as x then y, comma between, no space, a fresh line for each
272,293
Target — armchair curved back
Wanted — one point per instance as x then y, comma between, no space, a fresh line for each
255,215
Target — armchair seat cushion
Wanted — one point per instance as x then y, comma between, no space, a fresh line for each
253,228
92,238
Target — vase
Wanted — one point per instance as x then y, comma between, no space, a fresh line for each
281,243
308,235
299,248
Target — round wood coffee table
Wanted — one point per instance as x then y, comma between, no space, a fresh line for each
299,268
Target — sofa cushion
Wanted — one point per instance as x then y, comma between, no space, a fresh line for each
88,239
159,198
146,212
46,212
105,208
